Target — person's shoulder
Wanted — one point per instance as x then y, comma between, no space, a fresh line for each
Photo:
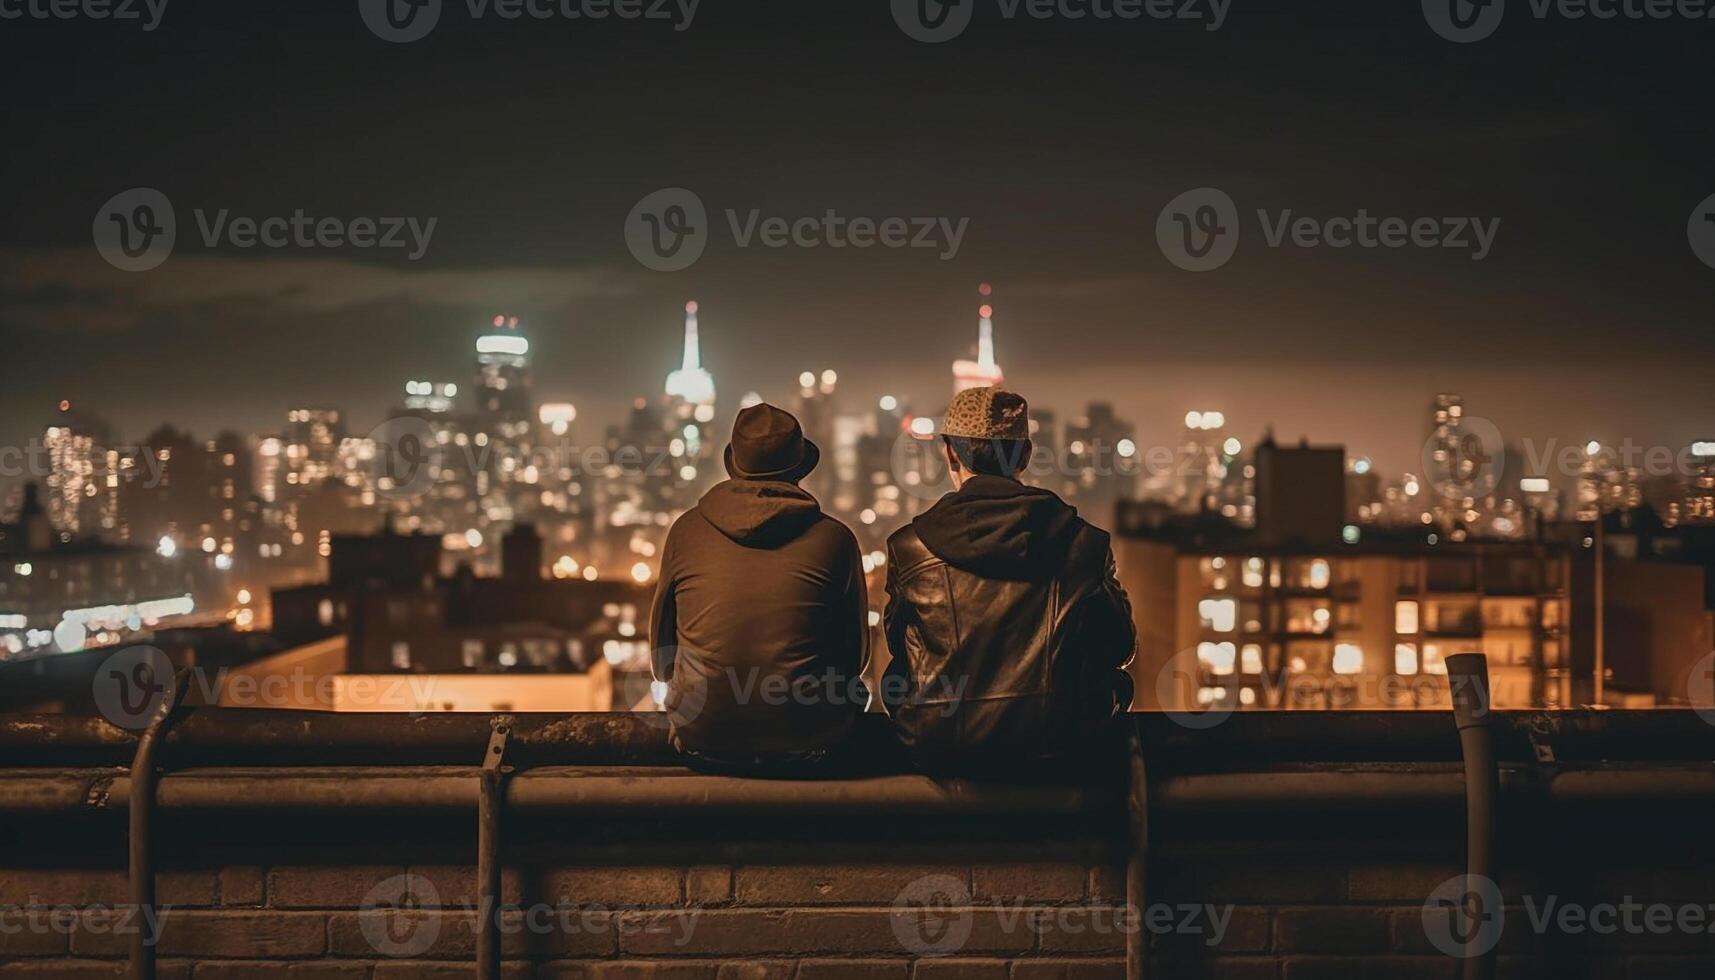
1091,545
831,528
905,545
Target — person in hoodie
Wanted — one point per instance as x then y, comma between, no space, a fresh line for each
760,620
1009,632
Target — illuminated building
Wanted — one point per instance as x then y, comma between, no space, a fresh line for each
691,383
690,413
503,371
1102,460
386,596
83,475
434,398
983,372
64,596
309,449
1304,612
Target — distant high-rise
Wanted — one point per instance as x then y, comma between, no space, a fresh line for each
503,372
983,372
689,418
691,383
83,474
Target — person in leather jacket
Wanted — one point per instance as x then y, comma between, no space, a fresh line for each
1008,629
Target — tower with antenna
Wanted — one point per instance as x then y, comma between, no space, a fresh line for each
984,371
691,383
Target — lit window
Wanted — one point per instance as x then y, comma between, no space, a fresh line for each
1348,658
1247,696
1253,573
1250,659
1220,615
1405,618
401,656
324,612
1319,574
472,653
1433,660
1217,657
509,655
1405,658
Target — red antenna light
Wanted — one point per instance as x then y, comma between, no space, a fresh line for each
691,307
499,321
65,406
985,289
986,311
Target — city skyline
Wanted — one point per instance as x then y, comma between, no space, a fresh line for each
1581,322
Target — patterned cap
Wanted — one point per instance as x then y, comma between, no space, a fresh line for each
987,413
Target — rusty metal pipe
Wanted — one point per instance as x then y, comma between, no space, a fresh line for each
1137,858
1468,678
490,801
141,820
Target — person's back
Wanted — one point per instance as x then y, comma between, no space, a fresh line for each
1008,630
759,619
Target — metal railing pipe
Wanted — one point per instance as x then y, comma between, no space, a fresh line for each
1468,679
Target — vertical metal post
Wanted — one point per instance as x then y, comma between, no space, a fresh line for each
1468,678
491,786
1137,858
140,814
1600,688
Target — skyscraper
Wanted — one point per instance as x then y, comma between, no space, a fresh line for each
691,383
690,410
503,371
984,371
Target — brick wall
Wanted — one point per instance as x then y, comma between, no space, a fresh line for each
686,899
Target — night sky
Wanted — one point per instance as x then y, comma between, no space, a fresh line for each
1060,141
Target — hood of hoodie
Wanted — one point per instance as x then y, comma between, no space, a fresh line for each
759,513
1000,528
